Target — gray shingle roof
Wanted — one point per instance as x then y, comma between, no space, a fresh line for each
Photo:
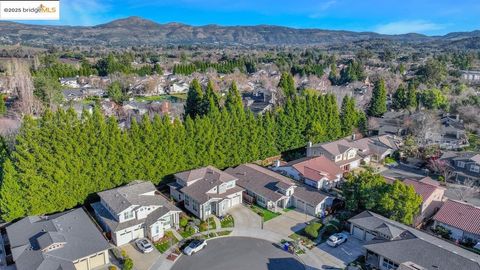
121,198
309,195
415,246
261,181
74,228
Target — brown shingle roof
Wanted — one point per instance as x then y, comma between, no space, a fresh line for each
460,215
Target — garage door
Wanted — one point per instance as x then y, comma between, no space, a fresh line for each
82,265
369,236
138,233
97,261
358,233
124,238
236,200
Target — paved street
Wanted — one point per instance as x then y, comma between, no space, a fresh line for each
403,172
239,253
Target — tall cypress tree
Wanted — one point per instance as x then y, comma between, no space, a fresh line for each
378,103
412,96
348,115
234,101
3,107
287,84
193,106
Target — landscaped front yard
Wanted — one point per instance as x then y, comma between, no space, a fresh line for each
166,242
264,213
227,222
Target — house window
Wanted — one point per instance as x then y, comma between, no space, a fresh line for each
475,168
351,154
195,206
157,230
339,157
128,215
461,164
387,264
230,184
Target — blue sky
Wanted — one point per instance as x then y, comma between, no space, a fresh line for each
432,17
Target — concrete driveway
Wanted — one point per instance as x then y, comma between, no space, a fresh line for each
245,218
141,261
288,222
341,255
239,253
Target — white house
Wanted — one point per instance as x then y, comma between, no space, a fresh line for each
135,211
206,191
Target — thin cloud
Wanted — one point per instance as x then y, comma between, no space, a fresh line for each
405,27
321,8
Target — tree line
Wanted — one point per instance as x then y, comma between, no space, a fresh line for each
224,67
60,159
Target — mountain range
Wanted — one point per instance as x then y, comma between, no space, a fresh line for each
136,31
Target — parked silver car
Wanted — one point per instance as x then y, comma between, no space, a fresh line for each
194,247
144,245
337,239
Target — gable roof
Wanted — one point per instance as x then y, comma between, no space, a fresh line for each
316,168
206,173
422,188
335,147
74,228
260,180
201,181
460,215
135,193
309,195
368,145
413,245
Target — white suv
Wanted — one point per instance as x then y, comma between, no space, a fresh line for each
337,239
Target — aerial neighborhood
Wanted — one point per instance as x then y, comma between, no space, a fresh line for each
136,145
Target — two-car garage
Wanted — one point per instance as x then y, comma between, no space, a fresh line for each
93,261
126,236
361,233
304,207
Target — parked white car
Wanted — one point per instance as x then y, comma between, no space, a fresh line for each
337,239
144,245
194,247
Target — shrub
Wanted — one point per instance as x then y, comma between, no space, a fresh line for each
443,232
331,229
312,229
183,221
128,264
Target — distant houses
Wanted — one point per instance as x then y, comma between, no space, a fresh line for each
461,219
465,166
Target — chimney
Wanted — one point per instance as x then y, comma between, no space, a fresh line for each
354,136
309,144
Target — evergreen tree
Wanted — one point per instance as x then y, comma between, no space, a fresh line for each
348,115
287,84
412,96
12,202
400,98
3,107
210,100
193,106
234,101
378,103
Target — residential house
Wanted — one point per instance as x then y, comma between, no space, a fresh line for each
432,196
68,240
461,219
178,87
391,245
465,166
391,123
448,133
318,172
258,102
471,75
349,154
275,192
134,211
70,82
206,191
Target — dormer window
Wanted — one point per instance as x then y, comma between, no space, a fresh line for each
128,215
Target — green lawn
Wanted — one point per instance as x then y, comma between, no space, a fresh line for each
166,242
223,233
173,98
227,222
288,209
265,213
212,224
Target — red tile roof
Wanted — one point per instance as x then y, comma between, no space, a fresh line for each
460,215
421,188
317,168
